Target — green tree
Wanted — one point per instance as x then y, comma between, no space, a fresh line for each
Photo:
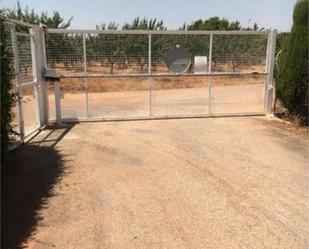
8,97
120,49
145,24
110,26
214,23
292,71
137,45
30,16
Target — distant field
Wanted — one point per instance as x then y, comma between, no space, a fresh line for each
141,83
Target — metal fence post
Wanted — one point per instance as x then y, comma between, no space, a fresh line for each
209,71
38,64
35,75
270,66
149,73
58,102
266,72
43,63
18,86
85,73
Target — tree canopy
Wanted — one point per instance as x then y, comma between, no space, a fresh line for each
31,16
8,97
214,23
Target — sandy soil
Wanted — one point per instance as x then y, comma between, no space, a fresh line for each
191,183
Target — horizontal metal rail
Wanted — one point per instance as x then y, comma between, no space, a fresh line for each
29,83
28,136
29,133
23,34
157,32
26,24
132,118
157,75
22,85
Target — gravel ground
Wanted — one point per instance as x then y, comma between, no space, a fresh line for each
188,183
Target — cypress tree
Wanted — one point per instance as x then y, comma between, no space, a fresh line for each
292,71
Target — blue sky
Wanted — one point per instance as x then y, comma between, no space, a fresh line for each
267,13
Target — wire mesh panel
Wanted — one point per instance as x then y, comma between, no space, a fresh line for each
126,74
98,54
180,96
239,53
25,84
114,97
73,98
27,92
65,52
116,53
237,94
24,58
29,104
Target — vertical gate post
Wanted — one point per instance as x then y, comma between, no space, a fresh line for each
85,74
270,66
18,86
209,71
149,73
35,75
58,101
38,63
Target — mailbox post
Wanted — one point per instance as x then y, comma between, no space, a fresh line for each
53,76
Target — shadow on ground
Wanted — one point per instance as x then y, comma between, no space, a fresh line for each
27,182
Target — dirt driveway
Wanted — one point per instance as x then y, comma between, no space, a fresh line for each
189,183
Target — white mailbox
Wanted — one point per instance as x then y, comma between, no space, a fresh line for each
200,64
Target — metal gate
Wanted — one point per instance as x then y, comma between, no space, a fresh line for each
123,74
25,51
111,74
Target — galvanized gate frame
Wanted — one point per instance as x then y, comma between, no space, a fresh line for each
37,34
269,69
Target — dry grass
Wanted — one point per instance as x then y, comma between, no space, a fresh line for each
133,84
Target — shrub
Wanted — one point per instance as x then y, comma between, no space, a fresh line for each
292,71
8,97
